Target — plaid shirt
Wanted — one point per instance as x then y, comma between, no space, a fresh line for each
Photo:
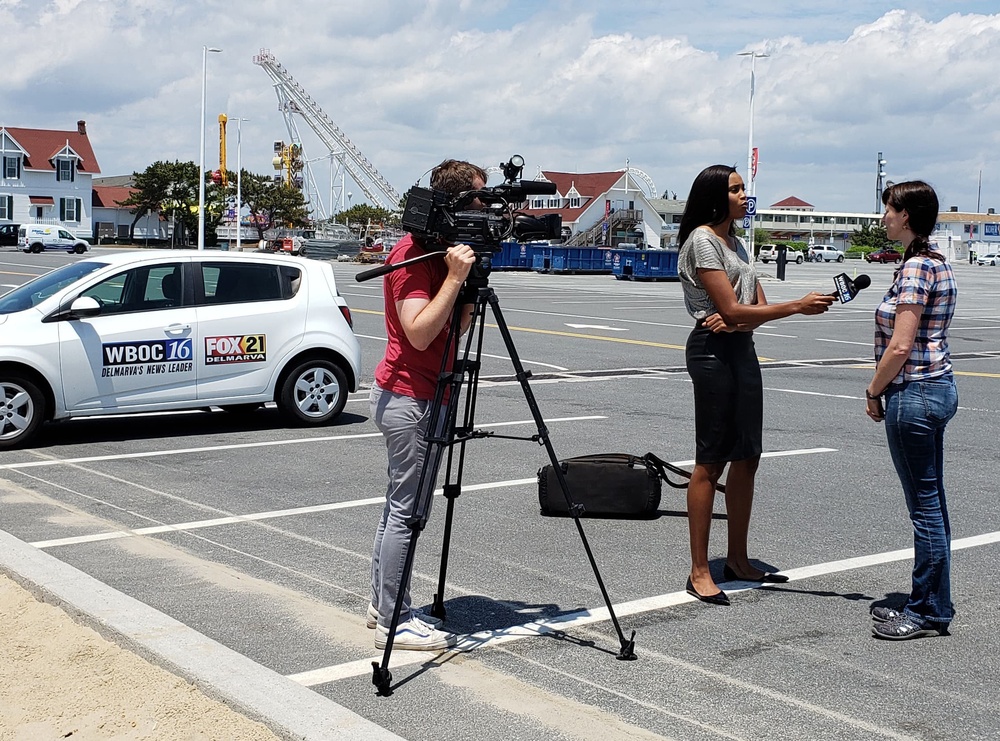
929,283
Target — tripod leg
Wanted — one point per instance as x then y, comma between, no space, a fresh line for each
627,651
439,434
469,370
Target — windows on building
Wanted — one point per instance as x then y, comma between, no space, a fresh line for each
70,209
7,208
65,170
12,168
574,202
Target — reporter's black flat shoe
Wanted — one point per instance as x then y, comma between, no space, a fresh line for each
765,578
719,598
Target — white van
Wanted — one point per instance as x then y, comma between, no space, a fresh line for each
41,237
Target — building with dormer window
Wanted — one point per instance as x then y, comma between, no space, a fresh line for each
600,208
46,177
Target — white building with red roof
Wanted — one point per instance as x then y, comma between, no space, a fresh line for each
587,201
46,177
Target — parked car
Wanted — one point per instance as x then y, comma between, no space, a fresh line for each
41,237
884,256
769,252
8,235
141,332
824,253
992,258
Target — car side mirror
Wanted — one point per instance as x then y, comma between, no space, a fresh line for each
84,306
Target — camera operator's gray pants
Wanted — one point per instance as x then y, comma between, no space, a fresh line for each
403,422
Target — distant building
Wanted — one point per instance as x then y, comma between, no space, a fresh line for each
601,208
46,177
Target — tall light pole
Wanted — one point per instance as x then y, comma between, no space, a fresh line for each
879,180
239,183
201,126
751,185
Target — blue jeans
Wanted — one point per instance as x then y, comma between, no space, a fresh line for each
916,414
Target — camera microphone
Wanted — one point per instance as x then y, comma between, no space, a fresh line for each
847,289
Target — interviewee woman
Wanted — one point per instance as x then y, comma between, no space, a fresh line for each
722,293
913,373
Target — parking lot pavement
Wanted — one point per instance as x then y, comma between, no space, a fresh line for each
257,537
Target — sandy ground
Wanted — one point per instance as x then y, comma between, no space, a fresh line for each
60,680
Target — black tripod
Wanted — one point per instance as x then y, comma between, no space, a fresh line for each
445,433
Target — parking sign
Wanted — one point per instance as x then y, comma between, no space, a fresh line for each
751,205
747,221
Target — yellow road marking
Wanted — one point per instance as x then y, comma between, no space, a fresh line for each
11,272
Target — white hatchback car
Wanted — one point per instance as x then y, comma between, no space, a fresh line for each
155,331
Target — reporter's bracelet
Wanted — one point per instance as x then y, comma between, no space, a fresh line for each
872,396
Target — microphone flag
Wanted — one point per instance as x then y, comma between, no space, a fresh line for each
846,290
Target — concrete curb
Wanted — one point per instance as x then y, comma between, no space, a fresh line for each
287,708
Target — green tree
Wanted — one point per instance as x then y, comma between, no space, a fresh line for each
151,189
872,237
362,214
761,236
272,204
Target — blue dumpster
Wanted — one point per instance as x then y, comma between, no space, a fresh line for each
592,260
644,264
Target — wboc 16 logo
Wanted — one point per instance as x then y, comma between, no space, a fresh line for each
248,348
147,357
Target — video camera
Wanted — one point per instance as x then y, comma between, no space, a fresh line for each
440,220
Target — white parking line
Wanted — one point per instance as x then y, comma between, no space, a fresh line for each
484,639
263,444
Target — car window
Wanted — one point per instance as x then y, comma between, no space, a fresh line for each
36,291
240,282
145,288
65,235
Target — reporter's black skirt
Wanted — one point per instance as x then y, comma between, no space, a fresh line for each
728,395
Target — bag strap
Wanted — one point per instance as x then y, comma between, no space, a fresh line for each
660,467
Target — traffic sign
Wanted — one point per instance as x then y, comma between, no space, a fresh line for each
751,205
747,221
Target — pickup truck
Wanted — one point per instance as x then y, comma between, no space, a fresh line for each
824,253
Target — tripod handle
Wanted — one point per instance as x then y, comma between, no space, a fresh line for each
383,269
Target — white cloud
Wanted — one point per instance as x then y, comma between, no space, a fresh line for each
570,89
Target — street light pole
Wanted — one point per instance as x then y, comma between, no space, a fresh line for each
239,183
751,185
879,180
201,150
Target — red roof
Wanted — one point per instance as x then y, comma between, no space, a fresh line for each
41,144
792,202
107,196
589,185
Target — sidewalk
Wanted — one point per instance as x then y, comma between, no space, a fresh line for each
59,678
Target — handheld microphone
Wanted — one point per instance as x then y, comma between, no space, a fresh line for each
847,289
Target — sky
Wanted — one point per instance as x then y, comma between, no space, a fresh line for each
571,85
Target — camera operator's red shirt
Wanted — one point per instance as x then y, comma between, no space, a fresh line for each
404,369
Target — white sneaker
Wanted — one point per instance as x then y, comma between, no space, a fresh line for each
415,635
371,619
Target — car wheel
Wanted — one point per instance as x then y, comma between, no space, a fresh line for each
763,261
840,258
22,410
897,260
314,393
79,249
37,248
798,260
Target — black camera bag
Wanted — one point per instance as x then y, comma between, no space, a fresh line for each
608,485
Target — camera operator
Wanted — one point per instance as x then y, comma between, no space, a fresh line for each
419,305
